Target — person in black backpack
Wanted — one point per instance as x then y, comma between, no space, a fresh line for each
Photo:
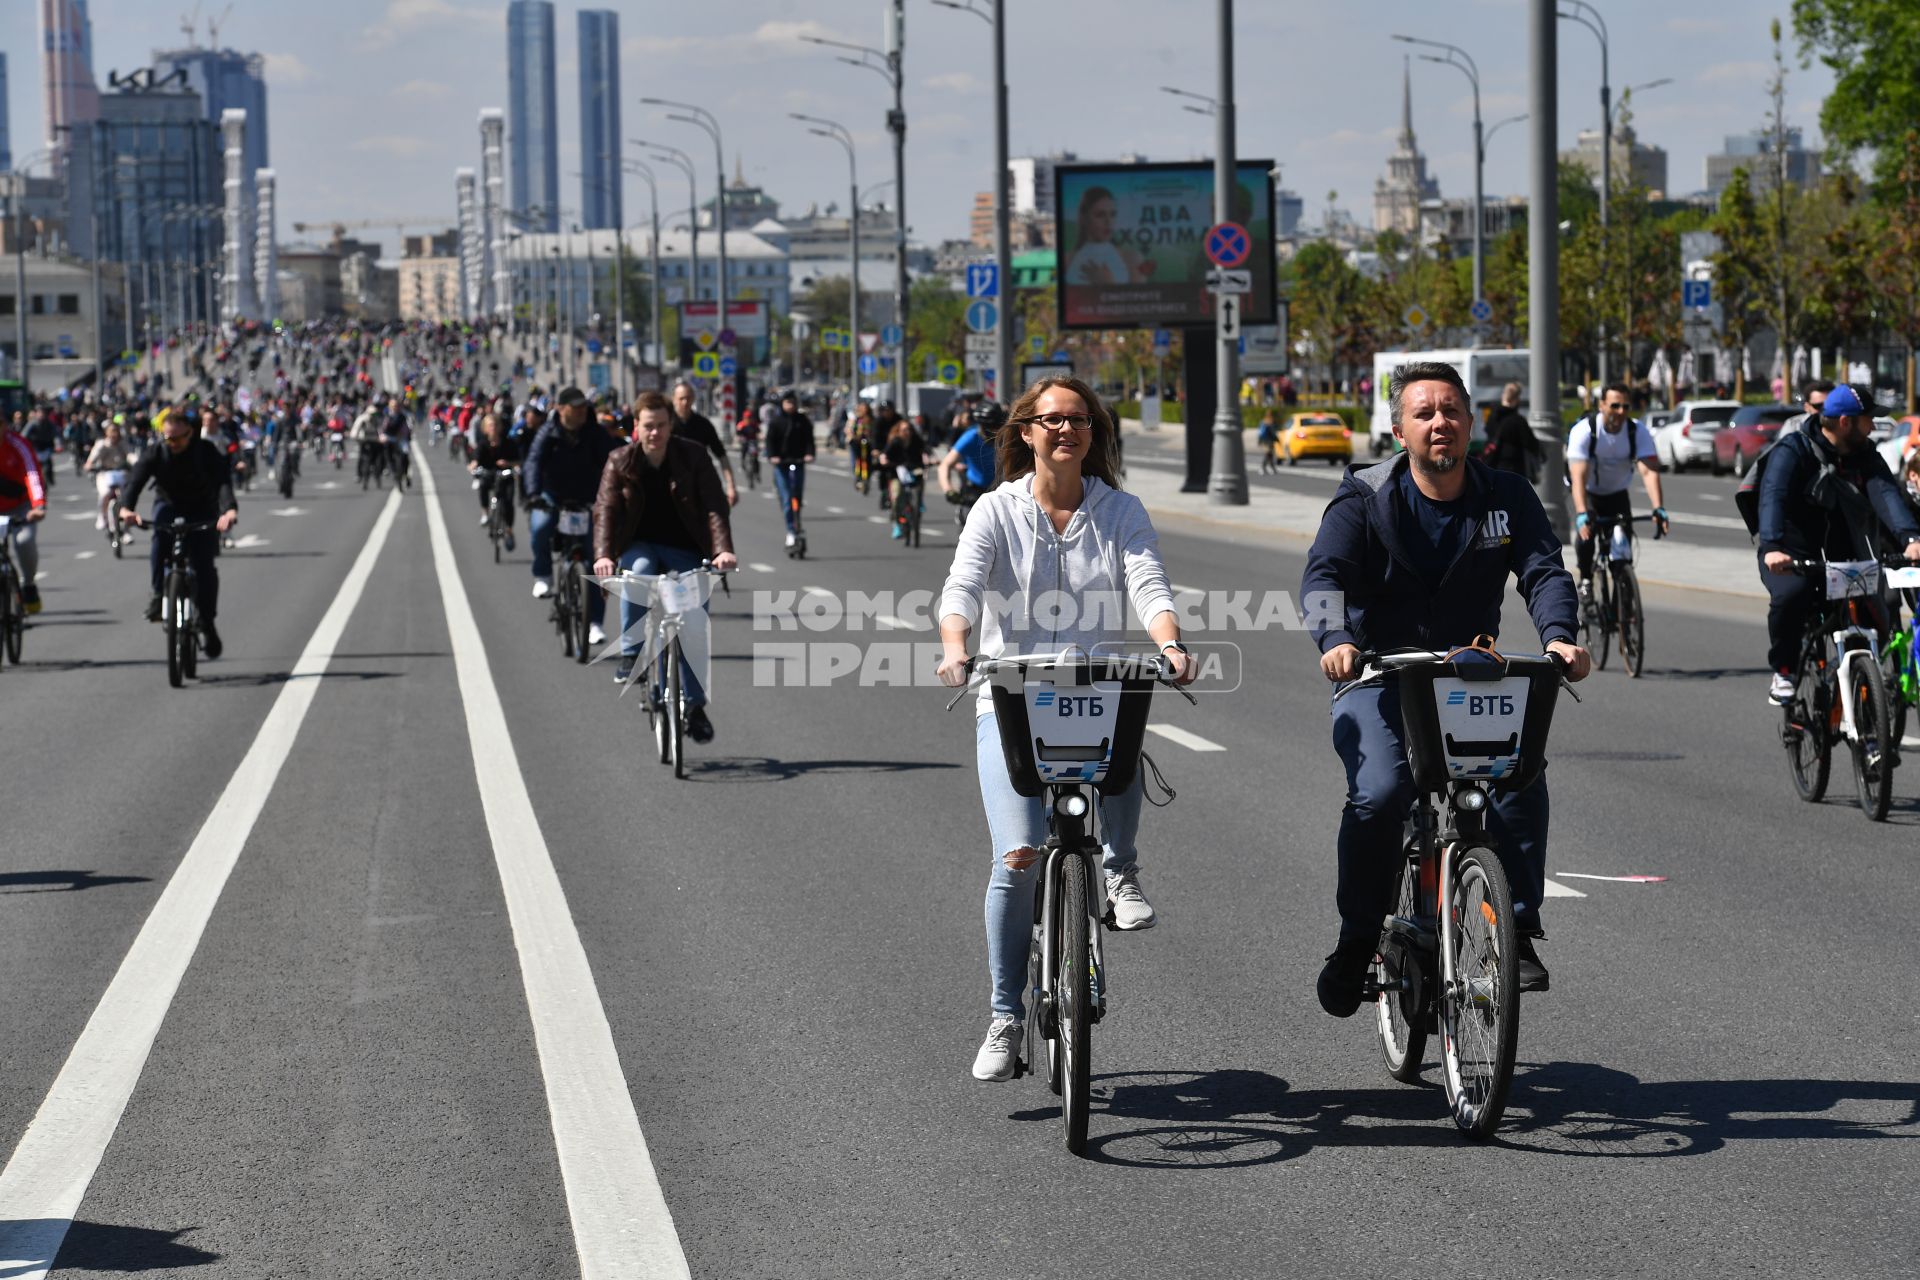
1825,491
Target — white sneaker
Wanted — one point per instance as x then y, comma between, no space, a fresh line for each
1131,910
789,540
595,635
1000,1051
1780,692
542,589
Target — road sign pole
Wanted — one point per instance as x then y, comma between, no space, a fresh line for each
1227,483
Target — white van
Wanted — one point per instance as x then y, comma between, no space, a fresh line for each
1485,371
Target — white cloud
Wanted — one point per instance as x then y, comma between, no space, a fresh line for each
401,146
422,89
286,68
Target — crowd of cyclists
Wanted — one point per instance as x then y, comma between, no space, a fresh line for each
1422,546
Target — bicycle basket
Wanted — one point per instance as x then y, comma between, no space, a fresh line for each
1847,578
1067,723
1476,720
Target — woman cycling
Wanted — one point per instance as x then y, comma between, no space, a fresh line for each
1057,551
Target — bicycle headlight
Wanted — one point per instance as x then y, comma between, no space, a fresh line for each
1471,799
1070,804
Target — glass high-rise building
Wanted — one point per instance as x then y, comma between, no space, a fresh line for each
533,124
600,119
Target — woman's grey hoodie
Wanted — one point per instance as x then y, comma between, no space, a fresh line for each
1025,589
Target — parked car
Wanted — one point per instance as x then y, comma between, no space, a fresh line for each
1315,435
1751,429
1687,441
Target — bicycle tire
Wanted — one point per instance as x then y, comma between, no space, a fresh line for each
578,575
676,710
1804,733
1603,608
1872,749
1478,1032
1633,622
176,659
1073,998
1400,1017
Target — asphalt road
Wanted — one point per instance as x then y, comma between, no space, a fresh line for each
352,1078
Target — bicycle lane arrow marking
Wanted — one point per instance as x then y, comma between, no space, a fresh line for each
48,1175
621,1224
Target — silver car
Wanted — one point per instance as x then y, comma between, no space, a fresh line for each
1687,438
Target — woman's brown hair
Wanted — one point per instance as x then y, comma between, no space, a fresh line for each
1016,455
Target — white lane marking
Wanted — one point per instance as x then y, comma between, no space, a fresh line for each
1185,738
621,1224
84,555
47,1176
1557,890
759,566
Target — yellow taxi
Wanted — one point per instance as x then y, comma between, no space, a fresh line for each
1315,435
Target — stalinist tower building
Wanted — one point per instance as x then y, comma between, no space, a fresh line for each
1397,197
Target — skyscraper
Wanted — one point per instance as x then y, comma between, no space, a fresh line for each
226,80
599,119
533,125
66,68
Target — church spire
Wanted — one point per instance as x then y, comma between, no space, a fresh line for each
1406,106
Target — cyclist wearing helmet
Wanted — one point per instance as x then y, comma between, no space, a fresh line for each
973,455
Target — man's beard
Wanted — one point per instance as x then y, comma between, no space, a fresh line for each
1435,466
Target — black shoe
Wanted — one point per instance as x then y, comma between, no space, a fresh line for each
209,639
1343,975
623,670
1533,974
699,728
153,608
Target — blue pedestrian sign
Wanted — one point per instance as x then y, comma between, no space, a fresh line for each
1163,340
728,366
892,335
869,364
982,316
1696,293
983,280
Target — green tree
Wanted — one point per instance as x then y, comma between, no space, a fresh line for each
1872,47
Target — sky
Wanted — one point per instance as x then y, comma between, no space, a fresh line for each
373,103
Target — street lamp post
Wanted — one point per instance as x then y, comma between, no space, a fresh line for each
891,60
1589,17
687,113
1466,66
839,133
1004,389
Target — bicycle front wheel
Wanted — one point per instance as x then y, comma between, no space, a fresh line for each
1072,1000
1479,996
1400,1016
1873,747
1633,623
1804,733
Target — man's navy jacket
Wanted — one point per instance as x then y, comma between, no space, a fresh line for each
1361,553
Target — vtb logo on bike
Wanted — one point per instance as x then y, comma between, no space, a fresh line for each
1482,704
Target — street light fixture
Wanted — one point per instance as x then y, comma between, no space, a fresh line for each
1463,62
825,128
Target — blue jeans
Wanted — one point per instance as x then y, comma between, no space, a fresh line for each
540,521
1020,822
651,557
1368,734
790,485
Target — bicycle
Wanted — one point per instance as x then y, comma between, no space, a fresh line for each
13,603
179,599
1840,650
572,533
909,504
1614,607
1069,722
670,598
1476,724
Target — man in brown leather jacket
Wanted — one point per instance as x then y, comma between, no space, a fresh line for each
660,509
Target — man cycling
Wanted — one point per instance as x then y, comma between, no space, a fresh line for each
790,443
1418,549
1600,466
660,510
564,465
193,482
23,498
1827,469
973,455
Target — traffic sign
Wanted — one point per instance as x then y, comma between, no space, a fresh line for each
983,280
982,316
1481,311
1225,280
705,338
893,335
1228,244
1229,316
1415,316
1162,341
869,364
706,365
728,366
1696,293
984,342
949,372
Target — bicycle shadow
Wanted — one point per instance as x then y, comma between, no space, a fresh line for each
744,769
1231,1119
60,881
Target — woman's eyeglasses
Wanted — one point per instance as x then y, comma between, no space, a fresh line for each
1061,423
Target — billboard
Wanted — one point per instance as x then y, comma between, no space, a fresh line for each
1132,243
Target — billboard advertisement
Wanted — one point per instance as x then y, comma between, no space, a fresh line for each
1132,243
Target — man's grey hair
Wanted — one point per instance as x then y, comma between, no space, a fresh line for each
1406,375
